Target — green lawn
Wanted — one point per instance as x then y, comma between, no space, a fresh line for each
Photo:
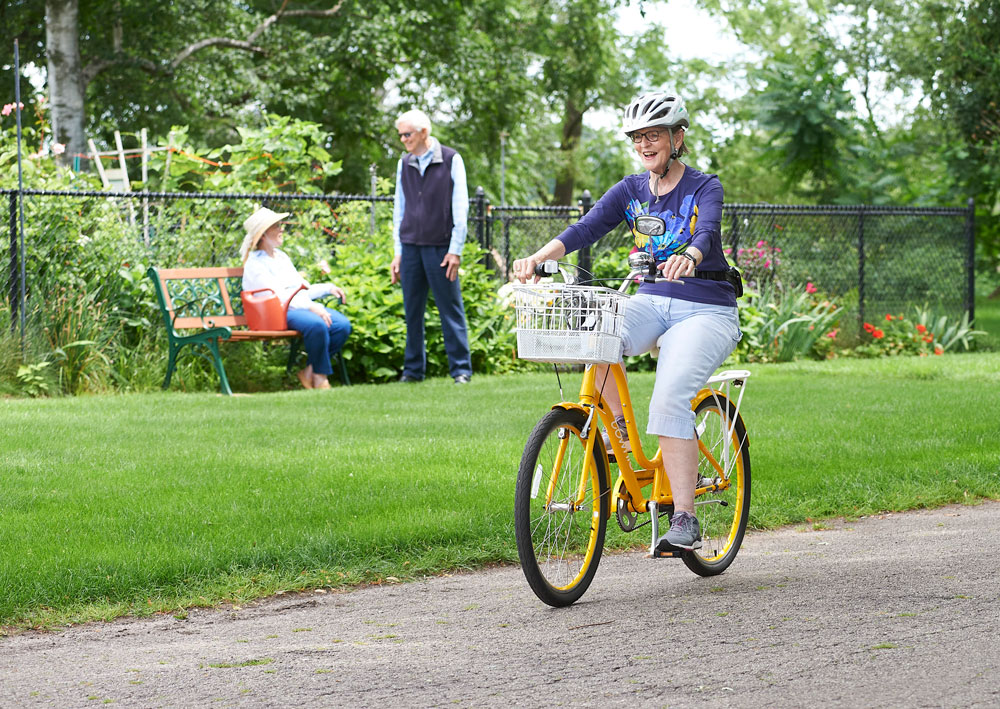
136,504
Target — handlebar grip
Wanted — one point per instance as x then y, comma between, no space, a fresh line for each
547,268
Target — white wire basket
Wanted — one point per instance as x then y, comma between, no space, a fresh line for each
569,324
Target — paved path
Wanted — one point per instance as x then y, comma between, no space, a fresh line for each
893,611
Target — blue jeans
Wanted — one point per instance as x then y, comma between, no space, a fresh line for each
420,272
320,342
694,340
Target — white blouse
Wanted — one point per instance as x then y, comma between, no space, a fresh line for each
278,274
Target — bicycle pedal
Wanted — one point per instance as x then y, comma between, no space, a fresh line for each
672,553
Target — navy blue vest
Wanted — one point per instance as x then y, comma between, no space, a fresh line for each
427,219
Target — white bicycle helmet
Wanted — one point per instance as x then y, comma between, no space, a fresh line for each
657,108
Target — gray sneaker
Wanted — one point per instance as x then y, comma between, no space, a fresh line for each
621,434
684,533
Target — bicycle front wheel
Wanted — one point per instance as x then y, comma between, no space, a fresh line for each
723,463
561,508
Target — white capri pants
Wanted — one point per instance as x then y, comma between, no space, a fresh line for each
694,340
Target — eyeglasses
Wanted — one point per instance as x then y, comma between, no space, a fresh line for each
651,135
406,135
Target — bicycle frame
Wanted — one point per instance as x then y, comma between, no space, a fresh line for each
647,470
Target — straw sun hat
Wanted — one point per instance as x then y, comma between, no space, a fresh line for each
255,226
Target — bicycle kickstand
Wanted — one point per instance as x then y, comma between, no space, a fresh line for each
654,523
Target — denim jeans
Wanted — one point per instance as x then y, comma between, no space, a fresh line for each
420,272
694,340
319,341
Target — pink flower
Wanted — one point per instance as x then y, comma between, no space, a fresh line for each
761,243
10,107
58,148
810,288
831,334
767,264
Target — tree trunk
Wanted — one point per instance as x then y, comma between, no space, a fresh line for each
65,76
566,171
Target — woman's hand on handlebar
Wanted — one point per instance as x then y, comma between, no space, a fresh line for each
525,268
680,265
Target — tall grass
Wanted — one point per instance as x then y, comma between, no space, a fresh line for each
141,503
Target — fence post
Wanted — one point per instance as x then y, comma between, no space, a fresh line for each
861,265
12,284
374,182
483,231
584,263
734,238
480,200
970,259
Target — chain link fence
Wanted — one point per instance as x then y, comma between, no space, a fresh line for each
889,258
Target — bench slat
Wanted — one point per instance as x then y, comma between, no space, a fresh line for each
167,274
263,334
199,323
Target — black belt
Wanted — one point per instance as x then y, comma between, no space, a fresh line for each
730,275
712,275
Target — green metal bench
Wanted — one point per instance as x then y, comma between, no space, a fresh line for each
207,301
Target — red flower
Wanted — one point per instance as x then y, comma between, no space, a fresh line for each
888,317
868,327
929,338
938,350
921,329
810,288
878,334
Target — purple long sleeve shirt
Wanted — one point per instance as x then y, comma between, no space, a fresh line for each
693,209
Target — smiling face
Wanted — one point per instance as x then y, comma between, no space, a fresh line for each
415,141
654,154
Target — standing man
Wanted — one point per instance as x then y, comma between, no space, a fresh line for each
429,225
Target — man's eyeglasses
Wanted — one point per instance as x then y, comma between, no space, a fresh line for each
406,135
651,135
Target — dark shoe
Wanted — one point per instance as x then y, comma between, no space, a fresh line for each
684,533
408,378
462,379
621,433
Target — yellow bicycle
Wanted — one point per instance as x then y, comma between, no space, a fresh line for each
564,494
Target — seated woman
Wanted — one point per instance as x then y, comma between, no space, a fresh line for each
265,265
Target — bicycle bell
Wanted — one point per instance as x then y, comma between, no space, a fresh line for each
639,260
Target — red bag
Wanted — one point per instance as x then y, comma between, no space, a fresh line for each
265,311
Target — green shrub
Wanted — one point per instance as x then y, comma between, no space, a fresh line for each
790,324
927,333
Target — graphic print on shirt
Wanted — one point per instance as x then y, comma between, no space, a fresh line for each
675,239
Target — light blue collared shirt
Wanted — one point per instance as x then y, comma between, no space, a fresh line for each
459,200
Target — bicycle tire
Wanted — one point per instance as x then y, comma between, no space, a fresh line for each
723,514
560,547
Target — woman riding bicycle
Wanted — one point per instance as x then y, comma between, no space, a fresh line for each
694,321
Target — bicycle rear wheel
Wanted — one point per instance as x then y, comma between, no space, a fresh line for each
559,537
724,461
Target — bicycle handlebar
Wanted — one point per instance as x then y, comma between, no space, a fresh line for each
550,267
